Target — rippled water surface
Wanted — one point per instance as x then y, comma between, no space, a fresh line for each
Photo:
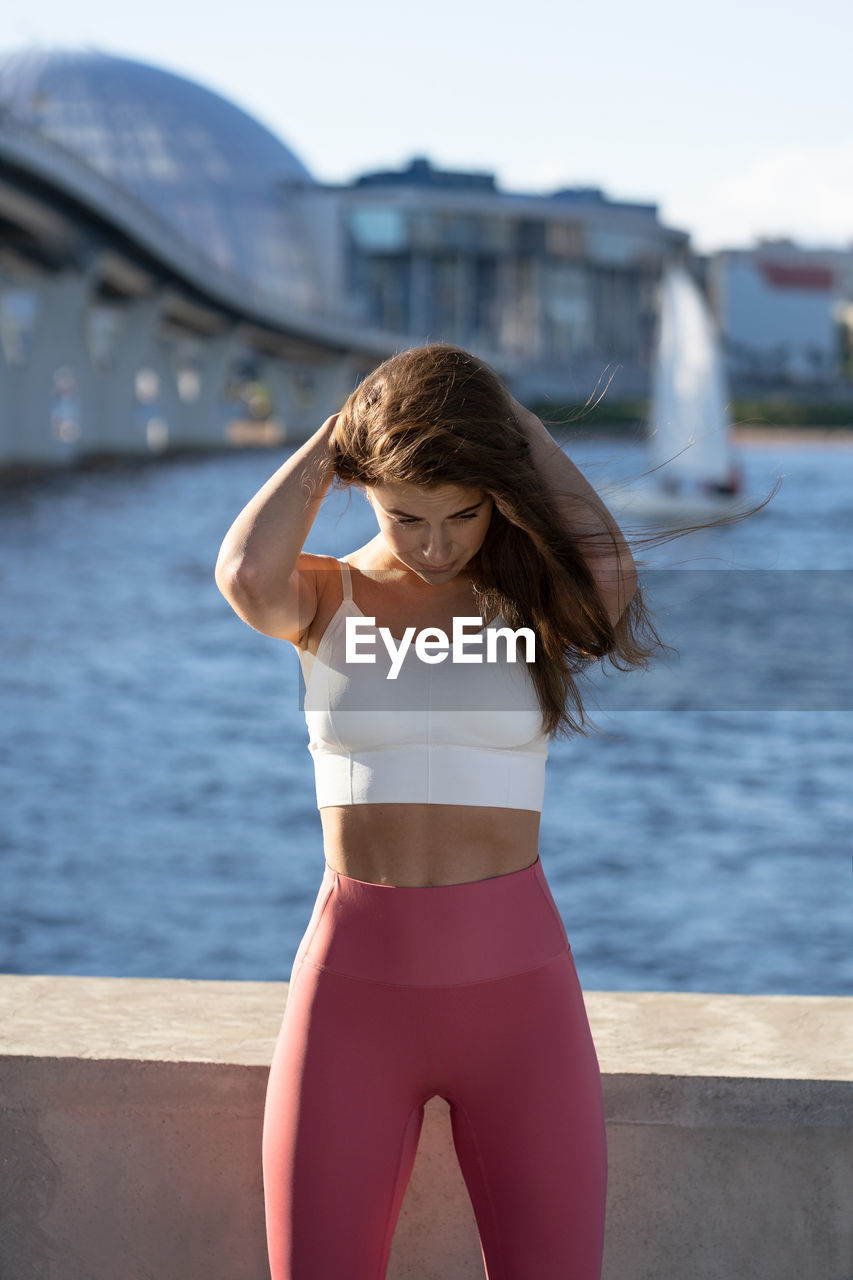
159,818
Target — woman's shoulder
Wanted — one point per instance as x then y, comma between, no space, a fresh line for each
360,559
312,562
324,571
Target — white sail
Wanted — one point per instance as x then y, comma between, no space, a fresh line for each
690,429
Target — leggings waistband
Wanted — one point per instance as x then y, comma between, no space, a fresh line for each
437,935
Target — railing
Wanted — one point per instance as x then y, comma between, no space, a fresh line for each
131,1129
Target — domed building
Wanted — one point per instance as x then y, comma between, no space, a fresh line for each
206,168
551,288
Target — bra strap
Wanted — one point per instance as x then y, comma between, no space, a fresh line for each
346,580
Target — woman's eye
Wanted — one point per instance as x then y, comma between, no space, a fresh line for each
414,520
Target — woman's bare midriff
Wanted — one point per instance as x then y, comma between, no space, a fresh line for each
418,845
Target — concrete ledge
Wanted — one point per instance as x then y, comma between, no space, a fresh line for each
131,1123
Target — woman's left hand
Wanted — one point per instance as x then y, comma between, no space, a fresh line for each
585,516
527,421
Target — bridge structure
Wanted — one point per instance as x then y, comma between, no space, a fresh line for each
173,277
118,336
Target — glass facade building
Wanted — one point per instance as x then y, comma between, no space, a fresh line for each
213,174
531,281
563,284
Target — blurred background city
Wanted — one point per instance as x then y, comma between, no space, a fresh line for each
209,231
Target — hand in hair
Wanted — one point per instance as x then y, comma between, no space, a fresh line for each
586,518
261,569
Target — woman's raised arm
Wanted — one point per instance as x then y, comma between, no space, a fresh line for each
602,542
256,569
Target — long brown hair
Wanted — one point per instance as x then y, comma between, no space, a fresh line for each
437,415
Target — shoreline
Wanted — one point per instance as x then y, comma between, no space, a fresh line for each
771,435
792,435
13,474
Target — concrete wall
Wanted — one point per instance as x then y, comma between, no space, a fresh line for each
131,1124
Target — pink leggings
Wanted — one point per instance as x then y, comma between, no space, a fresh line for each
465,991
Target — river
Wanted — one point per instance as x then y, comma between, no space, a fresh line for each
159,817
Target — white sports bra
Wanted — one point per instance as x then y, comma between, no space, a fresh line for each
440,733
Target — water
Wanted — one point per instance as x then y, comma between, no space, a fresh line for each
159,818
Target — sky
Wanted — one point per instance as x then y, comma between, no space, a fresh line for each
735,118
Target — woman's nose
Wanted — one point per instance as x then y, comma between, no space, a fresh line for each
436,546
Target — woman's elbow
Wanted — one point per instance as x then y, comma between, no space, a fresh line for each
630,585
616,590
235,577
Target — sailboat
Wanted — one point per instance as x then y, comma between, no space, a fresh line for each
689,449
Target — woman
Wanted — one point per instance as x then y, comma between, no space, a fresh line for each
435,962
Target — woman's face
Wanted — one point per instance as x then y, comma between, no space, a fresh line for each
434,531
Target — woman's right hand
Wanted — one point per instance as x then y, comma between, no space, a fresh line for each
258,568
